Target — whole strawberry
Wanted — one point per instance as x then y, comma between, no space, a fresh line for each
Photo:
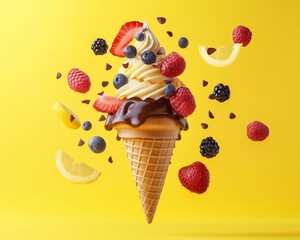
183,102
173,65
242,34
79,81
194,177
257,131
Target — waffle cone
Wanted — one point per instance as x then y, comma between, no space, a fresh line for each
149,149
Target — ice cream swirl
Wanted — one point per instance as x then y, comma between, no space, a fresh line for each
144,81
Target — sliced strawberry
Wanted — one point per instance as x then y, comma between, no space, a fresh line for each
107,104
125,36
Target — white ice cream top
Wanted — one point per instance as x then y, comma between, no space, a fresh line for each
144,81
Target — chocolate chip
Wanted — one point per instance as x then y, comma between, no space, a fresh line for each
72,118
204,83
204,125
105,83
125,65
210,114
108,67
161,51
87,101
118,138
170,33
110,159
58,75
156,65
211,51
80,143
211,96
168,80
102,118
100,93
161,20
232,115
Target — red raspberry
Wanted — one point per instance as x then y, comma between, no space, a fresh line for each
183,101
257,131
194,177
242,34
79,81
173,65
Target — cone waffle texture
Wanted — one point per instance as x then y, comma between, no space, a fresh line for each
149,160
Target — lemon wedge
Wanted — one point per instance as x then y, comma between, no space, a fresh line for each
74,171
66,115
221,56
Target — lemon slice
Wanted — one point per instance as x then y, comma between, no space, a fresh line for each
74,171
221,56
66,115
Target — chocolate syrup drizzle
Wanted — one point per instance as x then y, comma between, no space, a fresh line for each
135,112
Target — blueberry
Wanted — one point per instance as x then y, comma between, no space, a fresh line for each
183,42
87,125
97,144
120,80
148,57
129,51
169,89
140,36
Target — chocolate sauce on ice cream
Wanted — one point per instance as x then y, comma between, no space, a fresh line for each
134,112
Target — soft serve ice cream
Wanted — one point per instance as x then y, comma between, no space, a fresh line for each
149,108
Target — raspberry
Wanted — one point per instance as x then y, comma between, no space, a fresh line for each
242,34
183,101
173,65
79,81
257,131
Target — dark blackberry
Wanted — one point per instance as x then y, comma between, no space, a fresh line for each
221,92
209,147
99,46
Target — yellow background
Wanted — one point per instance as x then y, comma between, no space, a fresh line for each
254,190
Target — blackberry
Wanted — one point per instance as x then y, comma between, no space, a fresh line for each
221,92
99,46
209,147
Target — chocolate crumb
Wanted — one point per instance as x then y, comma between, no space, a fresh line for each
204,125
87,101
170,33
72,118
118,138
161,20
211,51
105,83
100,93
168,80
211,96
204,83
108,66
80,143
110,159
232,115
210,114
161,51
58,75
102,118
125,65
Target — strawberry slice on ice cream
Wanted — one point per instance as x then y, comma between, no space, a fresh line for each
125,36
107,104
